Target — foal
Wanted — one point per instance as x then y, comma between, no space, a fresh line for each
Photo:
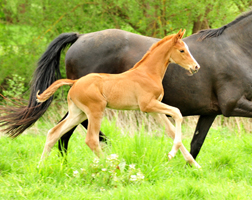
138,88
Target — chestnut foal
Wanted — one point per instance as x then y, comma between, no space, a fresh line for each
138,88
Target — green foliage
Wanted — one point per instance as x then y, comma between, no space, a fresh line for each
28,26
15,86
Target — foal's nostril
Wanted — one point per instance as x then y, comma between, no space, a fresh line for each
196,67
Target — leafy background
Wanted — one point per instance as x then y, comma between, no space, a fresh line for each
28,26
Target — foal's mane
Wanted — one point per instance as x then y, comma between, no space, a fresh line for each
209,33
154,46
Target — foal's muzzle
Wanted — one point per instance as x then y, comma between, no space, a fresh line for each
193,71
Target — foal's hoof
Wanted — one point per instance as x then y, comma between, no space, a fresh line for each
194,163
170,156
103,145
197,165
40,164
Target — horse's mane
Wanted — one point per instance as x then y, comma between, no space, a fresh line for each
155,45
209,33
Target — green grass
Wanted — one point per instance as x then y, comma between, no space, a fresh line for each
225,159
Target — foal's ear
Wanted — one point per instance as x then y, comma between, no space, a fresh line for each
181,33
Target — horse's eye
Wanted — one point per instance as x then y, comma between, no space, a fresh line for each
182,51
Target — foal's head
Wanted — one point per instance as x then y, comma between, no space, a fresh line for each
181,55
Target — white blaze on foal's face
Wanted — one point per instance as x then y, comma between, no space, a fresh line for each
181,55
196,65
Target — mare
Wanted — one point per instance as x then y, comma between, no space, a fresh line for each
139,88
222,87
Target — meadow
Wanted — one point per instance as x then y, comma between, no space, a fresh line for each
136,166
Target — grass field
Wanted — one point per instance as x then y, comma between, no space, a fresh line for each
144,171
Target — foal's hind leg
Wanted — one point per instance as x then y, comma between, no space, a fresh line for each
63,142
170,130
92,138
74,117
95,114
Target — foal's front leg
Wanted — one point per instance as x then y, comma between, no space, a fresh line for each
170,130
155,106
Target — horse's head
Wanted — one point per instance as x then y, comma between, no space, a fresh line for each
181,55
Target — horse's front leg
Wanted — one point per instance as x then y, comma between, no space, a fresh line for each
202,128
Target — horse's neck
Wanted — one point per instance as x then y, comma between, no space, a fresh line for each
241,30
157,61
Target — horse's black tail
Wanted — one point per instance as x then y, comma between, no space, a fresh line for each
16,120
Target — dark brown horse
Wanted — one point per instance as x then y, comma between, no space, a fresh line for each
223,85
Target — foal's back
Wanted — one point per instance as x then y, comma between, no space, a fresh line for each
115,90
120,91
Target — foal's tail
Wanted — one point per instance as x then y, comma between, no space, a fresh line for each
16,120
53,88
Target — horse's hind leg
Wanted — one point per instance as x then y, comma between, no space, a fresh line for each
74,117
170,130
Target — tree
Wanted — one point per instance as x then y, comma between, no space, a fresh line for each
28,26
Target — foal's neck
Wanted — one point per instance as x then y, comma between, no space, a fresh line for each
156,60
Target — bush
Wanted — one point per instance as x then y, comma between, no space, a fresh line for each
15,87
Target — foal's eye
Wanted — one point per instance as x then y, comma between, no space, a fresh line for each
182,51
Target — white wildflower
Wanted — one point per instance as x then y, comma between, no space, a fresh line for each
112,166
93,175
140,175
115,178
132,166
75,173
96,160
122,165
133,178
102,189
95,165
104,169
112,157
